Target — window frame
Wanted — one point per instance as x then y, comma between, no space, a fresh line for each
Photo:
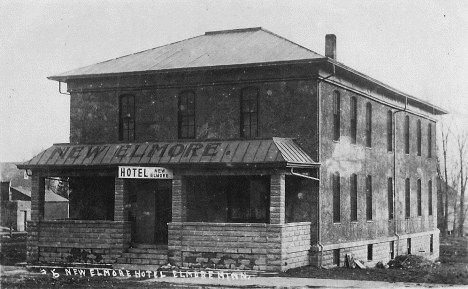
407,135
252,115
419,197
389,131
336,116
128,120
188,115
407,198
429,140
369,125
353,120
336,186
391,213
369,213
353,197
429,192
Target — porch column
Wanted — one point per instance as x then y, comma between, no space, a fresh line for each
37,214
121,205
179,215
179,200
277,198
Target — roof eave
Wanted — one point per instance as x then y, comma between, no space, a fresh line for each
65,78
436,110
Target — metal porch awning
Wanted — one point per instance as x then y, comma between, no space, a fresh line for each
284,152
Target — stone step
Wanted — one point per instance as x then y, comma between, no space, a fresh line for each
127,266
145,256
146,251
149,246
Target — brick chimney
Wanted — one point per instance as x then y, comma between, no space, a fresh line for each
330,46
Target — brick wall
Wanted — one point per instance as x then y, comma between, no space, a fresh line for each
81,241
239,246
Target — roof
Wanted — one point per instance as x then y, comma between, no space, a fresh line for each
218,48
274,151
50,196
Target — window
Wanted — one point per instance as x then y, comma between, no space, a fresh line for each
407,135
187,114
418,139
299,199
353,114
407,198
429,141
233,199
369,125
353,194
127,118
408,246
336,197
419,198
336,115
369,198
389,131
392,250
390,198
249,112
336,257
429,188
370,249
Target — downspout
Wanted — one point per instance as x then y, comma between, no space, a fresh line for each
395,175
60,88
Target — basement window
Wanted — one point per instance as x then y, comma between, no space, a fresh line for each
336,257
408,246
370,249
431,244
392,250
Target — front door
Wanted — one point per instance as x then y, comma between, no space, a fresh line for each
151,210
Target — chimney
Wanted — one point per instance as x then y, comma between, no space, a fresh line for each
330,46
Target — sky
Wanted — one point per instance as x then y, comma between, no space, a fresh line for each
418,47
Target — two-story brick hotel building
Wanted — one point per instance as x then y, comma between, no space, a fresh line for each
237,149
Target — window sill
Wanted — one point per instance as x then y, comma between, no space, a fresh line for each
336,223
369,221
335,141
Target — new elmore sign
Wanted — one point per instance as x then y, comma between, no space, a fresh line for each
145,173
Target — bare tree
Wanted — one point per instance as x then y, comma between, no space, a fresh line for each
445,190
463,175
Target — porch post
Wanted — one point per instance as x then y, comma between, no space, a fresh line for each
277,198
179,215
37,214
121,205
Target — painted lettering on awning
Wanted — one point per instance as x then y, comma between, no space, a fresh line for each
136,151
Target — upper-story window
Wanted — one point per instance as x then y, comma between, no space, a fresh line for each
353,114
389,131
418,136
407,134
336,115
249,112
187,114
127,118
369,124
429,141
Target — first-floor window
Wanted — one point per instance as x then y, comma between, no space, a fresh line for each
407,198
234,199
369,198
353,192
336,197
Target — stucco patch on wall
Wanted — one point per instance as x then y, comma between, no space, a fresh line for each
346,158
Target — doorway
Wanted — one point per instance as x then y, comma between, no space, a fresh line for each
150,210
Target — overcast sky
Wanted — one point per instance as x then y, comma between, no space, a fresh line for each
418,47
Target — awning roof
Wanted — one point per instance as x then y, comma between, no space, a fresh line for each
275,151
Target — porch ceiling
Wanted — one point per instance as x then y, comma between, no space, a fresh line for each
274,151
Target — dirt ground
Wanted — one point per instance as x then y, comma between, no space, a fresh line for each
453,269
